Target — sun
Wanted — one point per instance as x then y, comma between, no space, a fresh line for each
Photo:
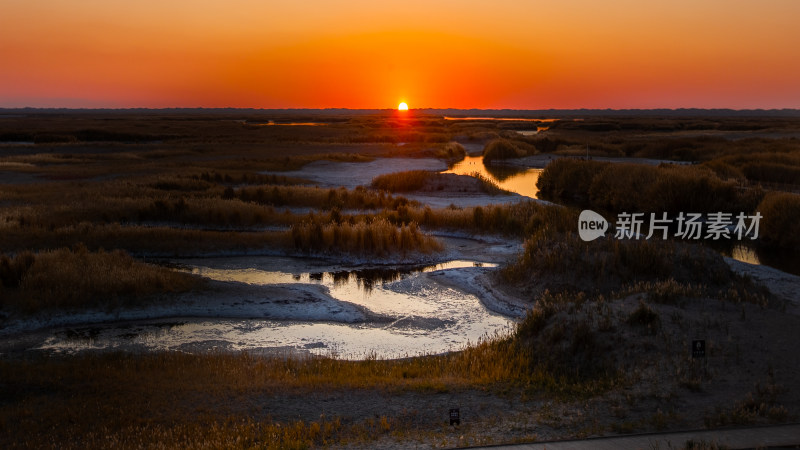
402,106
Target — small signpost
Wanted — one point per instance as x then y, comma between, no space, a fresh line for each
699,348
455,416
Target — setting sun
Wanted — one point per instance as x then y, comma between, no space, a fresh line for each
402,106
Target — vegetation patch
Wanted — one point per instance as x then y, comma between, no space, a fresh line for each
669,270
410,180
642,188
375,238
78,278
500,149
780,225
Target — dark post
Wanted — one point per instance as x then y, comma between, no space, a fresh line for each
699,348
455,416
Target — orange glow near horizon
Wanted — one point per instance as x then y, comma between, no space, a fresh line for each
352,54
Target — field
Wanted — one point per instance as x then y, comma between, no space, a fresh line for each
108,216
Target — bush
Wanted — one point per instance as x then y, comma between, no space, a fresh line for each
644,316
499,149
452,150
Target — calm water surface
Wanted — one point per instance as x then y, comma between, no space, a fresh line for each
521,181
417,315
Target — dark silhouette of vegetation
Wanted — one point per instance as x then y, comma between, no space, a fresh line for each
500,149
642,188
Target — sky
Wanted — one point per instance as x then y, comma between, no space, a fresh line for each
524,54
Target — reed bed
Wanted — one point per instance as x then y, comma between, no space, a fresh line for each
77,278
410,180
374,238
780,226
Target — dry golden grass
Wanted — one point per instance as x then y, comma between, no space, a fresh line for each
375,238
305,196
78,278
411,180
175,201
160,240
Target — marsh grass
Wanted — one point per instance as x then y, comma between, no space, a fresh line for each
416,180
375,238
168,233
141,240
569,178
561,261
488,185
78,278
642,188
306,196
411,180
177,201
500,149
517,219
780,225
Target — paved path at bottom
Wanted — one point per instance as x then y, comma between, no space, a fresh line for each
784,436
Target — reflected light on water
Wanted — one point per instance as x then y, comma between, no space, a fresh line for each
520,181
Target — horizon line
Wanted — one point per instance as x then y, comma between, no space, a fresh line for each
372,110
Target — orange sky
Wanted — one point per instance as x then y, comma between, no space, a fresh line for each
375,54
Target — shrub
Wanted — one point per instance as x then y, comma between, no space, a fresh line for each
501,149
644,316
452,150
